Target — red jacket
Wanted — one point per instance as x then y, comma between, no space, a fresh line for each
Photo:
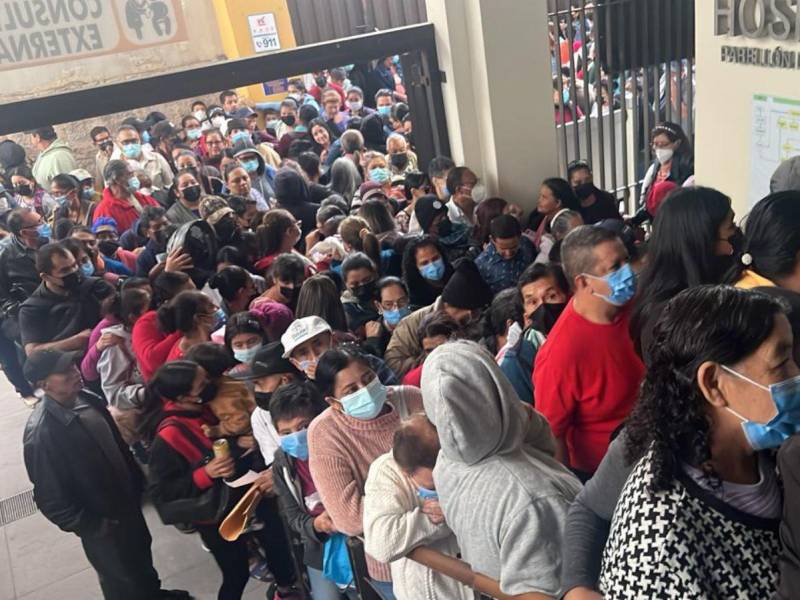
150,345
121,210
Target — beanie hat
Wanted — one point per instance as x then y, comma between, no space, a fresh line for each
466,288
426,210
211,205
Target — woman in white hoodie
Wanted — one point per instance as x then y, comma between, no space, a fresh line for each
119,373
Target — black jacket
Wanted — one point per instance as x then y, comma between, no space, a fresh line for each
290,497
48,317
76,485
17,268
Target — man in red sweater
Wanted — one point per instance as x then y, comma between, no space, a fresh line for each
587,373
120,200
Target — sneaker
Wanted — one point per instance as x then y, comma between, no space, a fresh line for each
260,571
30,401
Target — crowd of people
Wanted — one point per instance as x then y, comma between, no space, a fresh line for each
303,320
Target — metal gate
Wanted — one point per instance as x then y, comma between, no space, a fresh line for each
619,68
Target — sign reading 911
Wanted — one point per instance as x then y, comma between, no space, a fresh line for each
264,32
34,32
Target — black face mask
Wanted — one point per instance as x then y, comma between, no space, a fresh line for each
365,293
263,399
225,229
108,247
160,239
289,120
290,294
72,281
23,189
209,393
192,193
584,190
399,160
106,145
445,227
544,318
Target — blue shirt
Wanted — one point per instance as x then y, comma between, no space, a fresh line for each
501,274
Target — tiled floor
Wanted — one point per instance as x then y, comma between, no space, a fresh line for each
40,562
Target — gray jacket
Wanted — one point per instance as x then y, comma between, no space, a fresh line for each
502,493
119,373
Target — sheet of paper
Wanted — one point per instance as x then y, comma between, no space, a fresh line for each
775,138
245,479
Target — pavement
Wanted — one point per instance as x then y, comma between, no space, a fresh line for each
38,561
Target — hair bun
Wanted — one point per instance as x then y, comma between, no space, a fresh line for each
747,259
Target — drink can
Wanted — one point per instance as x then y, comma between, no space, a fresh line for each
221,448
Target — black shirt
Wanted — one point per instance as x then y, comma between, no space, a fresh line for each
604,207
49,317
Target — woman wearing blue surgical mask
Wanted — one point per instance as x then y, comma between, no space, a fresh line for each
700,508
393,305
192,130
67,193
346,439
426,270
244,337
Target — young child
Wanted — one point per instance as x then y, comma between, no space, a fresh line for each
293,406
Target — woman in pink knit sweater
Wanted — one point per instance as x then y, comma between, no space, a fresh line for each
343,441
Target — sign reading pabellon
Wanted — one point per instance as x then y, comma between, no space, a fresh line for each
759,19
34,32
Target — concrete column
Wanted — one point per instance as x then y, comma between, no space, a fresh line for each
498,92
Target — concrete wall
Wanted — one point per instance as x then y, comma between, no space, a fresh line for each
724,107
498,93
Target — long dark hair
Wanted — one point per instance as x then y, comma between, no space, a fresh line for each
681,251
683,160
706,323
421,292
563,192
335,360
320,297
771,237
169,382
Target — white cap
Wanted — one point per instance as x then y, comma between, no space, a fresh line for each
302,330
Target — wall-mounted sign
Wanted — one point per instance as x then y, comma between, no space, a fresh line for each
264,32
34,32
775,19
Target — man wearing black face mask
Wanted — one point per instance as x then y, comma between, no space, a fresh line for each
284,278
62,311
596,204
268,371
153,223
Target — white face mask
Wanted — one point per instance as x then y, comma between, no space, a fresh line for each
200,115
218,121
664,155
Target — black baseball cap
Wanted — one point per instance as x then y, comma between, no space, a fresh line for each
43,363
268,361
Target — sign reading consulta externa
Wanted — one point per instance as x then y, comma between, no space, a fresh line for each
36,32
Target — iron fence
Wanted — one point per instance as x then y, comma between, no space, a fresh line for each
619,68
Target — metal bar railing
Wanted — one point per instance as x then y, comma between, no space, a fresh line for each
462,572
587,96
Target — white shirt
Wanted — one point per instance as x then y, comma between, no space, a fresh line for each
265,433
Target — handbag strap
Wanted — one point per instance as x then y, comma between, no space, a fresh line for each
190,435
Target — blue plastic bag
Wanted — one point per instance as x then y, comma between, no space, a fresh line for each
336,560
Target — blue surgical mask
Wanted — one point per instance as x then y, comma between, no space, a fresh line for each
247,354
786,423
193,134
565,95
134,184
306,365
132,150
87,194
301,128
367,403
61,200
622,284
385,111
296,444
241,136
87,268
393,317
44,231
251,166
446,192
220,318
380,174
433,271
146,137
426,494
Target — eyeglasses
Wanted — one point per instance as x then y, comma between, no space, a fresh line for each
396,305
